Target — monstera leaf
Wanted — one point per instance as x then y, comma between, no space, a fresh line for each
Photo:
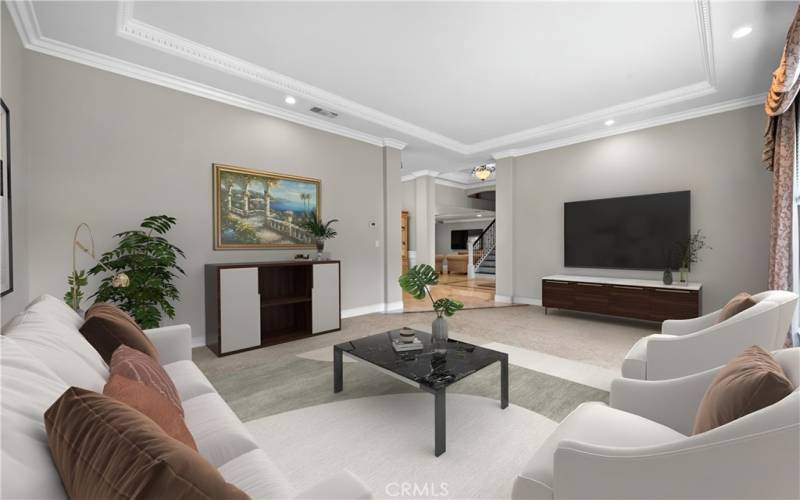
416,280
448,306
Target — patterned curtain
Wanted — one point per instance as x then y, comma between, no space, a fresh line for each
780,154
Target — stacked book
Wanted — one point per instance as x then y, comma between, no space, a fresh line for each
406,341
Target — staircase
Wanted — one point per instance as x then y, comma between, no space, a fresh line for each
487,266
483,250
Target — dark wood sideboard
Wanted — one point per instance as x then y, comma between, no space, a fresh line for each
638,299
257,304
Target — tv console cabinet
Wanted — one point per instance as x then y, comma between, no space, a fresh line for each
630,298
257,304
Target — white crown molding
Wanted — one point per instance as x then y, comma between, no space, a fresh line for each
129,28
462,185
143,33
394,143
419,173
148,35
711,109
25,21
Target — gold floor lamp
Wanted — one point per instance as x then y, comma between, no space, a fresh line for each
120,280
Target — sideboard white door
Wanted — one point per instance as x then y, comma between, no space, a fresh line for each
240,309
325,298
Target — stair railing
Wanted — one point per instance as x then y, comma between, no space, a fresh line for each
484,244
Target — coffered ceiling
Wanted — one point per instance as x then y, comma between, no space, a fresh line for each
459,83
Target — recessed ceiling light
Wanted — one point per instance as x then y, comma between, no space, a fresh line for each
742,32
609,122
480,215
290,100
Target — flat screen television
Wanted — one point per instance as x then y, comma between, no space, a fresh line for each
632,232
460,237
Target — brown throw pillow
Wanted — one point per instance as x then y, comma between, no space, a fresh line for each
102,448
135,365
749,382
152,404
741,302
107,327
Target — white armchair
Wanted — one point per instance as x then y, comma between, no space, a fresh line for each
694,345
640,446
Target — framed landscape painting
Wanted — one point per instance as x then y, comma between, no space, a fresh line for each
254,209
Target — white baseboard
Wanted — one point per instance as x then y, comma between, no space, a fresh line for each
506,299
198,341
527,300
360,311
395,307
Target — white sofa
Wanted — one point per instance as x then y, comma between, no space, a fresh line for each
641,446
43,353
694,345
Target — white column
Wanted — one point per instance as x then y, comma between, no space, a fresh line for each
425,227
504,213
392,199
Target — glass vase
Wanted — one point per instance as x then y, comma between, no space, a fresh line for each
684,277
439,334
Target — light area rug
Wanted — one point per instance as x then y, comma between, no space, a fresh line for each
387,441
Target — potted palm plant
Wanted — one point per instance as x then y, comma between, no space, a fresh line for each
319,230
417,282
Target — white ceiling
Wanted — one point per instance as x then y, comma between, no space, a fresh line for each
460,83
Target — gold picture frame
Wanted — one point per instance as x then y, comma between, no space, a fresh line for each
257,209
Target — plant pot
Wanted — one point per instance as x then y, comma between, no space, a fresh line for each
439,334
684,277
320,248
667,278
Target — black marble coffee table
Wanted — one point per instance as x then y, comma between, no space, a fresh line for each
424,369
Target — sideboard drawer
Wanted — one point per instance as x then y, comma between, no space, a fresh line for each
559,294
671,303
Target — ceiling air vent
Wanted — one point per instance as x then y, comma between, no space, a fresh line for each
324,112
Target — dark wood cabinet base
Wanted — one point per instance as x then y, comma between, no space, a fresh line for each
641,300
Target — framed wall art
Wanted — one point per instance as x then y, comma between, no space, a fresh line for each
6,238
255,209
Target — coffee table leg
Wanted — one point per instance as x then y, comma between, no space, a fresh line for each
440,421
337,370
504,383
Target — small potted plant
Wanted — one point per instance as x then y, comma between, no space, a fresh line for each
690,253
319,230
417,282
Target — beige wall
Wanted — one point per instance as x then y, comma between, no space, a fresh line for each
111,150
716,157
11,71
449,197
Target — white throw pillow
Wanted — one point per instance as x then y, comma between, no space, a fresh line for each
56,309
61,348
28,388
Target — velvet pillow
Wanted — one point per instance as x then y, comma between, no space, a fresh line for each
741,302
152,404
102,448
137,366
107,327
749,382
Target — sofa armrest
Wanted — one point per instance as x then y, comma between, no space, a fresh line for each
174,343
671,402
694,467
686,326
343,486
